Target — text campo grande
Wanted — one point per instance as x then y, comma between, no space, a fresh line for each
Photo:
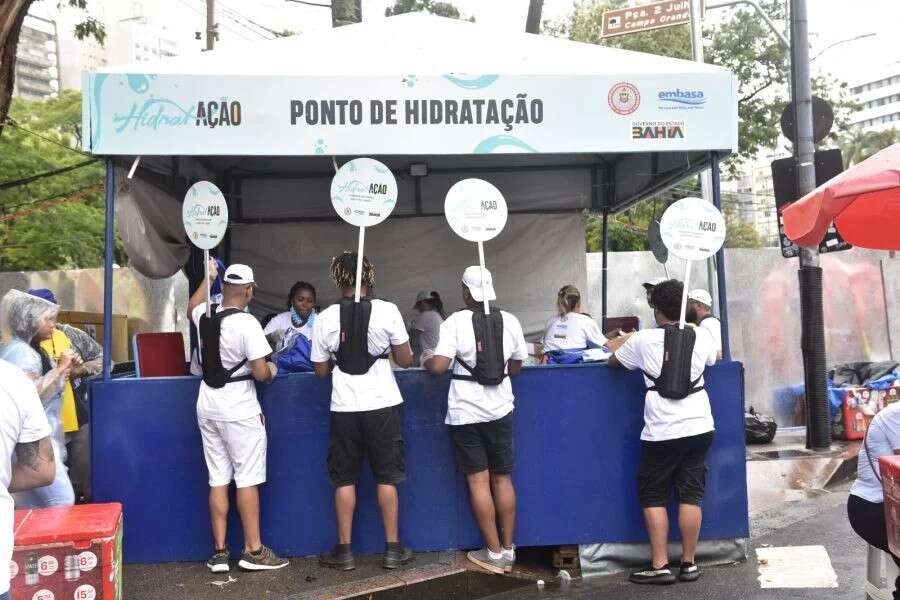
468,111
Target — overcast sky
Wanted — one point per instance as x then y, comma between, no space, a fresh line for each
830,22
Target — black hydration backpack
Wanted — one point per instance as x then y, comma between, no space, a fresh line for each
353,352
214,374
490,367
674,381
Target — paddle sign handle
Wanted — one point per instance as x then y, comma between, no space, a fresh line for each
359,262
208,286
487,307
684,293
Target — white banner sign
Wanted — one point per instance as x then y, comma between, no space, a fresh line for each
205,215
363,192
146,114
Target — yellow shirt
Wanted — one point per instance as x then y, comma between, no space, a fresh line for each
54,347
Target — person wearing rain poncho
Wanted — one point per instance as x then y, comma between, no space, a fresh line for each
25,322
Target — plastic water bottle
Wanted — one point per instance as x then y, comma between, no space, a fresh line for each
31,570
72,572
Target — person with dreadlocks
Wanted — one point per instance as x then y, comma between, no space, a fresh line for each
365,403
26,321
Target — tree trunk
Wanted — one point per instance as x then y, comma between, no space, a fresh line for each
12,13
533,22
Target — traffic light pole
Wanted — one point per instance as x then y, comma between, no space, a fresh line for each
812,342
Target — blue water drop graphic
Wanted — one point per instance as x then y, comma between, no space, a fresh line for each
138,83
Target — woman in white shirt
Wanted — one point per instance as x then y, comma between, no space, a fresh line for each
426,327
570,330
301,313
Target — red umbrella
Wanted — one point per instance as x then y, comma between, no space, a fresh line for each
863,202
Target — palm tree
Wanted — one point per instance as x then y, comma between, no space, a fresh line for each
857,145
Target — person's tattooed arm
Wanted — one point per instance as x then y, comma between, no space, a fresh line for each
34,465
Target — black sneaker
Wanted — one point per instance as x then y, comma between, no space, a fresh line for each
689,572
218,562
340,557
261,560
396,555
661,576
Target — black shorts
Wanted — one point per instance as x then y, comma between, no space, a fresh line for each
678,463
376,434
485,446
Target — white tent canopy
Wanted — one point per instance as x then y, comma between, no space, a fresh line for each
558,126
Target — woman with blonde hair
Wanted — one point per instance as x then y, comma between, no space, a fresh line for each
569,329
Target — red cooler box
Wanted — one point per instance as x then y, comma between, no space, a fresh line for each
68,553
890,480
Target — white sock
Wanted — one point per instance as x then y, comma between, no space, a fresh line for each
509,553
495,555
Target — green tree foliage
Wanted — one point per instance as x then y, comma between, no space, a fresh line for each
857,145
54,222
442,9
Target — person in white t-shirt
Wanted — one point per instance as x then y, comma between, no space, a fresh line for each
365,418
426,326
480,418
300,315
25,432
230,418
865,504
699,312
570,330
675,441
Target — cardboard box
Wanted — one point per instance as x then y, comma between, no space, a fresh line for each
69,552
92,323
890,481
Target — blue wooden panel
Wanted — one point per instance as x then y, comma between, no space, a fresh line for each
577,448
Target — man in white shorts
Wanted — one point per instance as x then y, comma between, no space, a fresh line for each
233,350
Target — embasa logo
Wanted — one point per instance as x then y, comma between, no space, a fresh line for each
657,130
624,98
681,99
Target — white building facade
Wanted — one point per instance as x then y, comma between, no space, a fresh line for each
879,97
37,60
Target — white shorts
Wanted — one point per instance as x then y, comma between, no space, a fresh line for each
234,450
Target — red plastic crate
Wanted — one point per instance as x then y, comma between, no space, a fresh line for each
71,552
890,481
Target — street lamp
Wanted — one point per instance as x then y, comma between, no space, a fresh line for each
838,43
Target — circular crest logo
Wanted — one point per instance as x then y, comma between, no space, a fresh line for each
624,98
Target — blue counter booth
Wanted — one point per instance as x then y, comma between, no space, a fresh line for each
595,130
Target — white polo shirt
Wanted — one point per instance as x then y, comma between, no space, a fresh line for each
573,331
22,420
666,419
714,327
241,337
372,390
469,401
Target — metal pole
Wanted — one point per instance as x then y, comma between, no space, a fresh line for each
210,24
705,181
720,266
818,433
109,246
604,269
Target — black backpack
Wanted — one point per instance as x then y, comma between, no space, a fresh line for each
490,367
674,381
214,374
353,352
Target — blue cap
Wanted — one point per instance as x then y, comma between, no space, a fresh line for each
44,293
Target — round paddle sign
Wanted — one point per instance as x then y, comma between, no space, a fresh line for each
205,215
363,192
692,229
475,210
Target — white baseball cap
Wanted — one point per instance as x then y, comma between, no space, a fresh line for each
239,274
653,282
701,296
472,280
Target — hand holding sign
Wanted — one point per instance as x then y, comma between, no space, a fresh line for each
692,229
205,217
363,193
476,211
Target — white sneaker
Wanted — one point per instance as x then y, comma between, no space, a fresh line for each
509,555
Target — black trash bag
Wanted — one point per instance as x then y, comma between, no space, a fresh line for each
759,429
860,373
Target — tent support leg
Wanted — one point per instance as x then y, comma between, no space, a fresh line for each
603,281
720,264
109,247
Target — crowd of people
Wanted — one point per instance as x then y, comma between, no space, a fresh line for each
356,344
